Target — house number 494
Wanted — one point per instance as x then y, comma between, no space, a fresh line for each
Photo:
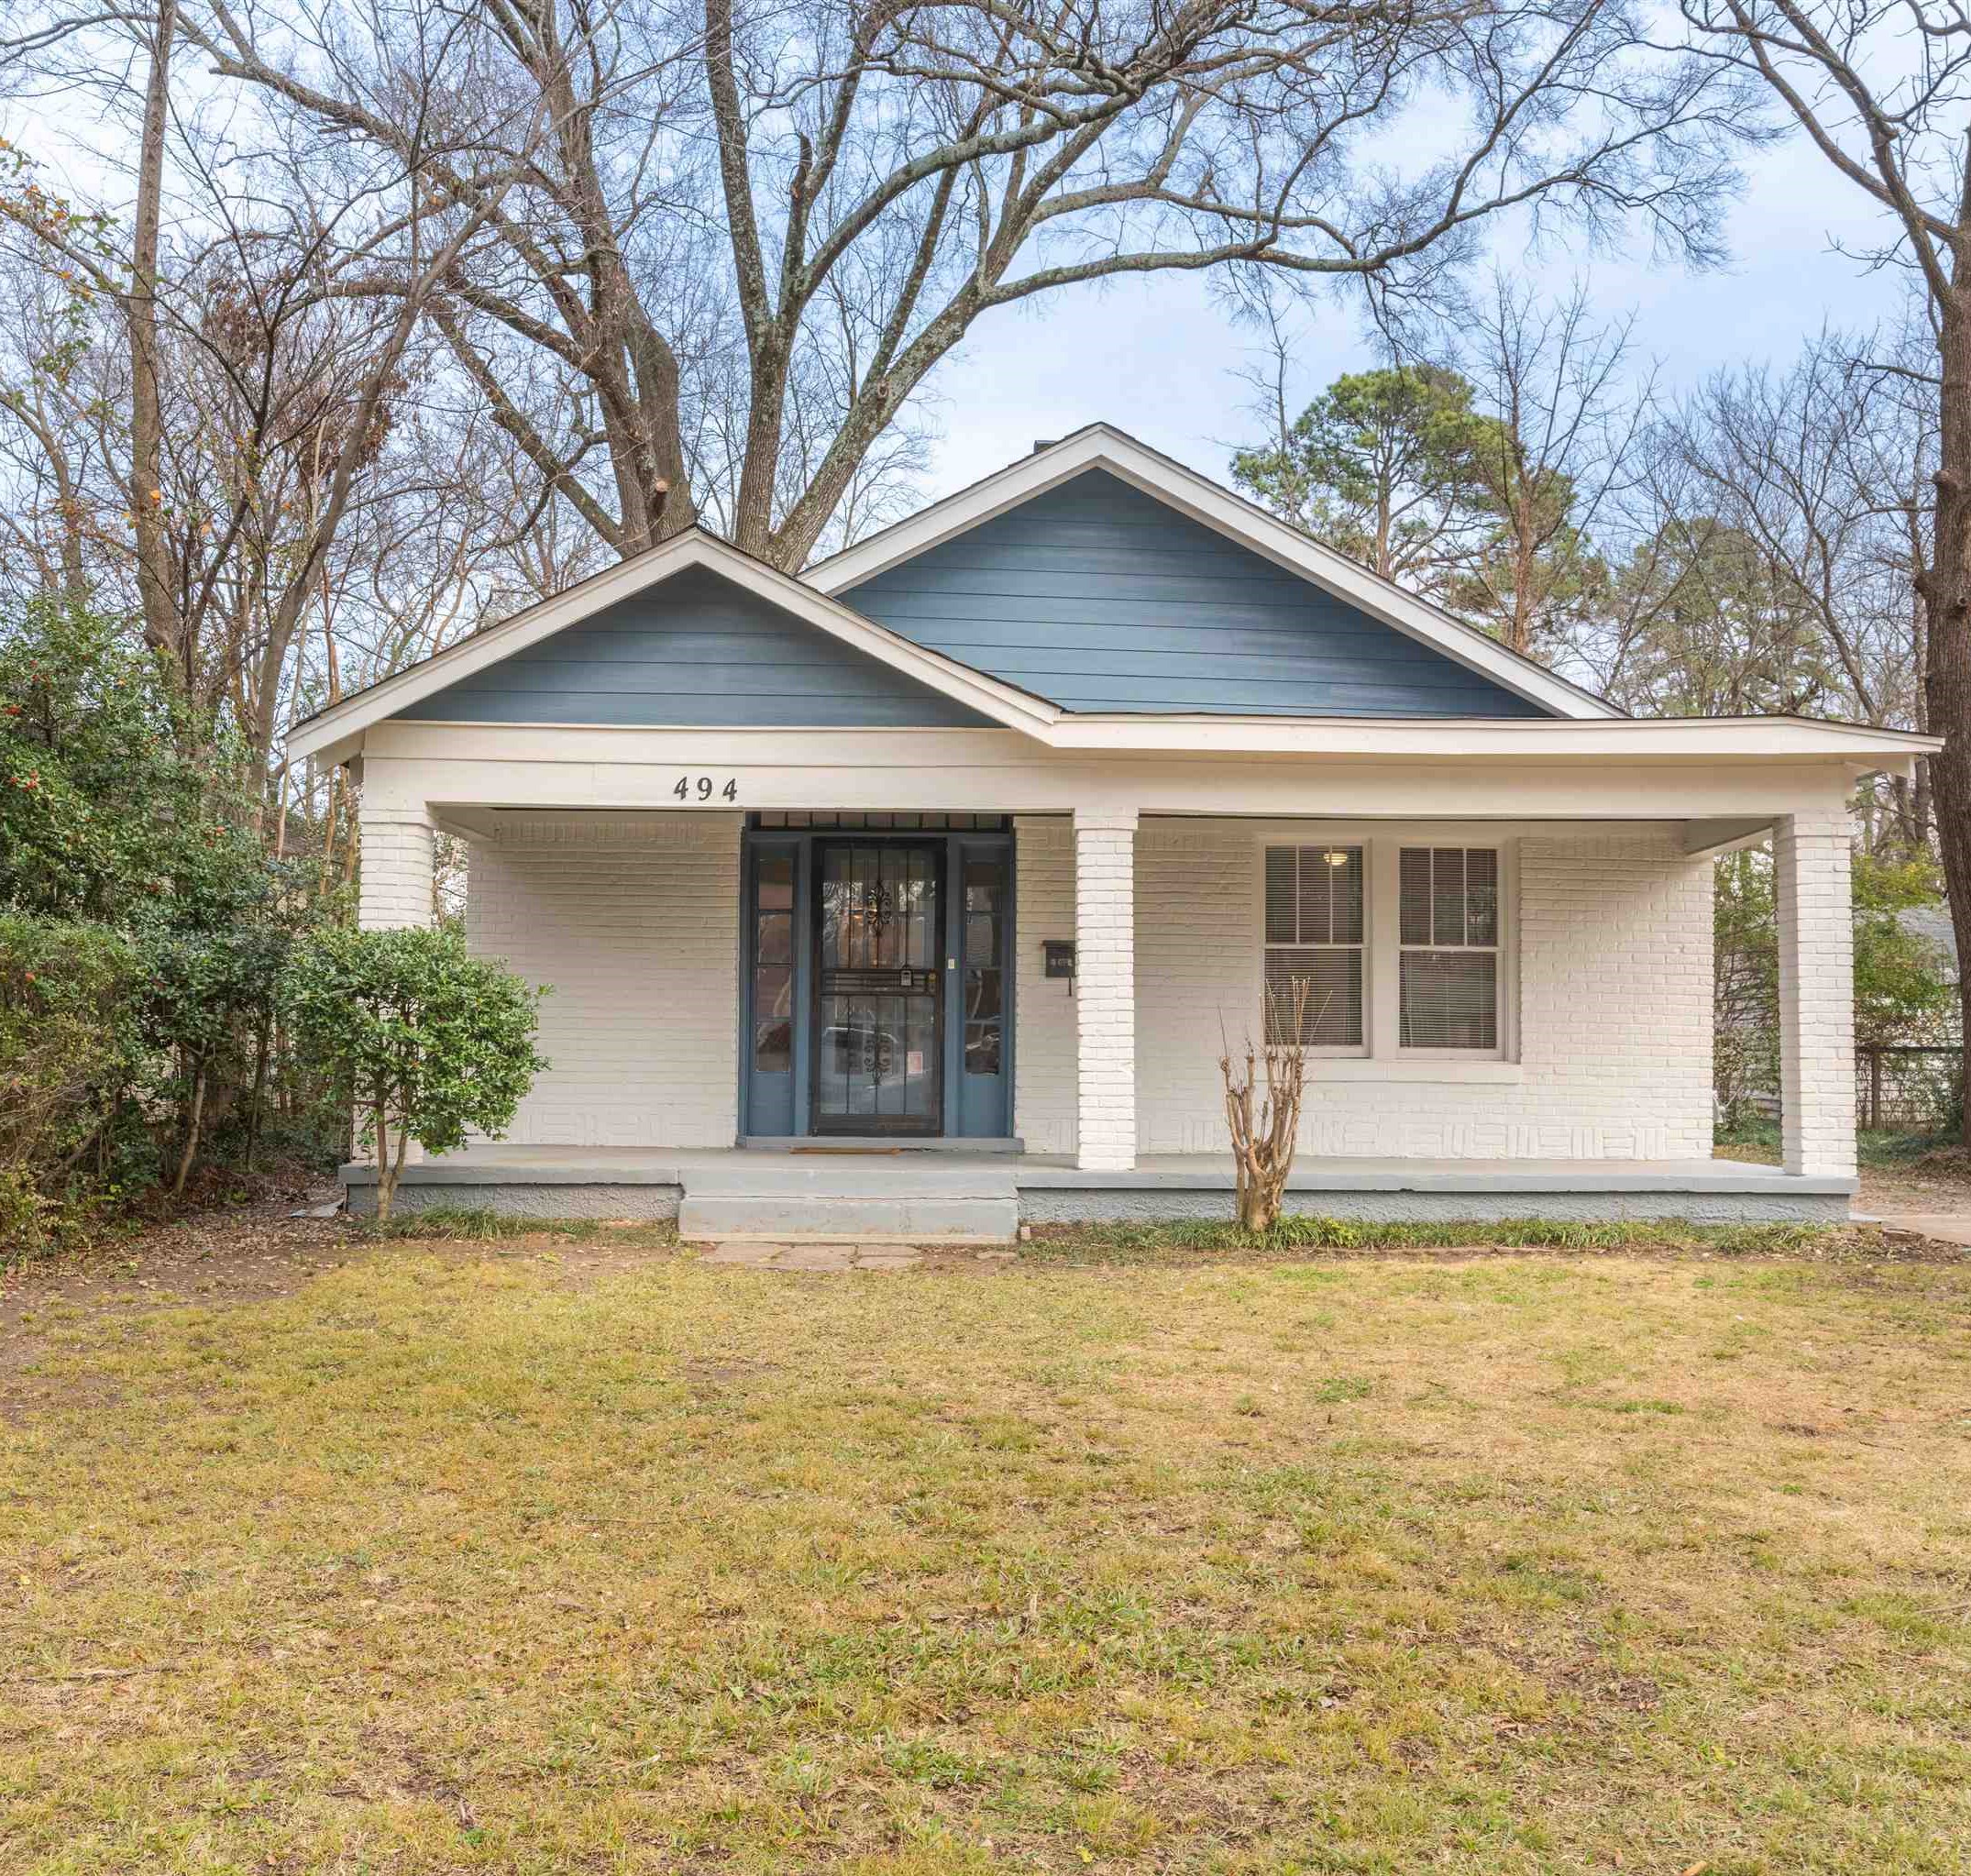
702,787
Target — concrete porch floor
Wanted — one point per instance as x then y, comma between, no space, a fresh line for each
653,1182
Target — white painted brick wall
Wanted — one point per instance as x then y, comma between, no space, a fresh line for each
1104,989
1043,1007
1811,859
633,919
394,880
1198,975
1615,1007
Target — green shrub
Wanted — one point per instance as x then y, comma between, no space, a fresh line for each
71,1053
427,1041
127,814
24,1216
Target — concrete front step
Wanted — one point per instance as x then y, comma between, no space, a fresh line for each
843,1199
826,1176
840,1218
762,1249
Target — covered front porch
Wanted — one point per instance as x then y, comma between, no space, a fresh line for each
1509,930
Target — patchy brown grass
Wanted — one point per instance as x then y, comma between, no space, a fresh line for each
554,1557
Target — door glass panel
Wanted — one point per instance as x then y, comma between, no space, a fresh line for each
879,1006
773,963
985,1010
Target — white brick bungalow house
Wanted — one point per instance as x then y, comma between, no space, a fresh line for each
985,835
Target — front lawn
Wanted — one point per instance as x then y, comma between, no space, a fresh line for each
589,1556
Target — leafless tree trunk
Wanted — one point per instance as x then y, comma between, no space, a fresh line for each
1559,447
1881,89
1945,587
194,1120
389,1162
163,627
1263,1101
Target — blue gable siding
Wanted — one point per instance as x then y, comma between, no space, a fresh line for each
1099,597
694,651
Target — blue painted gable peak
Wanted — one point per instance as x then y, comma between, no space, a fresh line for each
695,651
1099,597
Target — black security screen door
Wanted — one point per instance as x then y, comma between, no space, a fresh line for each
879,1034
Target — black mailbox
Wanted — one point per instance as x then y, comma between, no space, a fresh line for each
1060,955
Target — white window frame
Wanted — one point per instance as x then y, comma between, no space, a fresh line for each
1496,948
1332,1051
1382,1056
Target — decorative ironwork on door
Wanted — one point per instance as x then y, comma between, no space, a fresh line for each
879,1044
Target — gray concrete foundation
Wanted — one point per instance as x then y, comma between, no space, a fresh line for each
1060,1205
726,1191
643,1204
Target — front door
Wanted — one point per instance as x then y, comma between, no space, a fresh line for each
878,1041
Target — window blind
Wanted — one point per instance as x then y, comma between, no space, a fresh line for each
1314,947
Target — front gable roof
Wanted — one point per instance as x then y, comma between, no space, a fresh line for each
695,651
462,684
1101,598
1111,579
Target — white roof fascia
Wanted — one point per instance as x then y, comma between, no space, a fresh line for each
1421,742
337,727
1098,447
1459,738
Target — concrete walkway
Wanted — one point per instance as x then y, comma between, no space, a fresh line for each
1940,1227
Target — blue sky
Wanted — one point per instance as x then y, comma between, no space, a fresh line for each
1158,358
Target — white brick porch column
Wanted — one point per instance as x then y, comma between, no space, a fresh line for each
395,890
396,872
1811,860
1104,989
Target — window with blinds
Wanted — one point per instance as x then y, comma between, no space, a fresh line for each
1314,946
1449,948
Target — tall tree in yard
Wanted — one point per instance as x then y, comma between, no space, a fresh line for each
1716,629
752,232
1781,524
1379,466
1881,90
1557,448
237,407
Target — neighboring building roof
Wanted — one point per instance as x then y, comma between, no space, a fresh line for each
1933,925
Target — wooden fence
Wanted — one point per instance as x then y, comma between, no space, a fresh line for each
1908,1087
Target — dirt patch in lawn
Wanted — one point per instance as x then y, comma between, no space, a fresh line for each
238,1256
1938,1182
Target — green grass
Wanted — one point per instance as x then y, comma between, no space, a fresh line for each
1151,1240
1884,1148
458,1224
1888,1148
1751,1140
586,1559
